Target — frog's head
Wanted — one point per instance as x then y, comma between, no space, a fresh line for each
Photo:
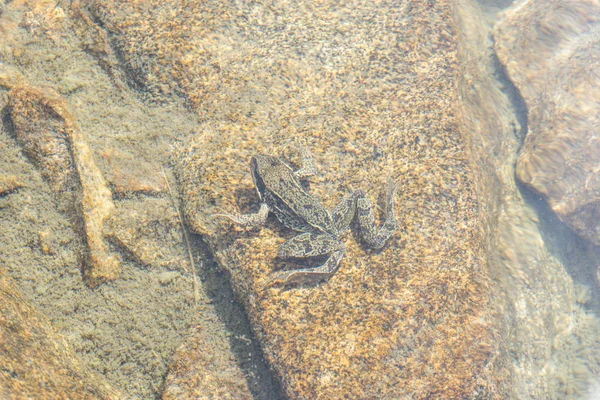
263,165
266,170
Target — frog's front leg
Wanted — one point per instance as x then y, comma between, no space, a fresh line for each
308,164
257,219
309,245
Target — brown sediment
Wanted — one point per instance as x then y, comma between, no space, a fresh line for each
140,228
10,77
94,41
128,172
129,329
9,184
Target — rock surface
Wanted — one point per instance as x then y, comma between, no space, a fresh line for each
140,229
551,51
126,330
36,361
51,137
375,90
199,371
9,184
128,173
547,342
370,89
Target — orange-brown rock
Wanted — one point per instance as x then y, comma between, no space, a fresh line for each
94,40
37,362
537,282
51,138
10,77
174,60
551,50
41,130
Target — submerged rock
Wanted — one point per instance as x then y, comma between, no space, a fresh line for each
371,100
551,52
204,368
129,173
37,362
141,228
41,130
9,184
51,138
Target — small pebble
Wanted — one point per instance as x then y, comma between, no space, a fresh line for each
165,278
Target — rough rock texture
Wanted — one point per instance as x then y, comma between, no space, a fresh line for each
9,184
40,129
126,330
162,44
35,361
370,89
199,371
551,50
129,172
375,90
51,138
141,228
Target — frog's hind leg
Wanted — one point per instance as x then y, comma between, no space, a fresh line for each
256,219
309,245
307,275
374,237
343,214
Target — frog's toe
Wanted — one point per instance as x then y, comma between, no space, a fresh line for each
234,218
252,220
308,164
391,192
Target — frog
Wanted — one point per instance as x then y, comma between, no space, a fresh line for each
281,193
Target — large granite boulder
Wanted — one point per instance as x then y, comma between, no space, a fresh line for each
551,51
370,89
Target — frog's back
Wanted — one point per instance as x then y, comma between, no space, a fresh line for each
292,205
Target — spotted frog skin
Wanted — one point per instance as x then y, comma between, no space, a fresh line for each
281,193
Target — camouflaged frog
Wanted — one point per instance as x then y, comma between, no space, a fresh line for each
281,193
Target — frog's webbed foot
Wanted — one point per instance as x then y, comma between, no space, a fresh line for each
309,245
256,219
308,163
376,238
